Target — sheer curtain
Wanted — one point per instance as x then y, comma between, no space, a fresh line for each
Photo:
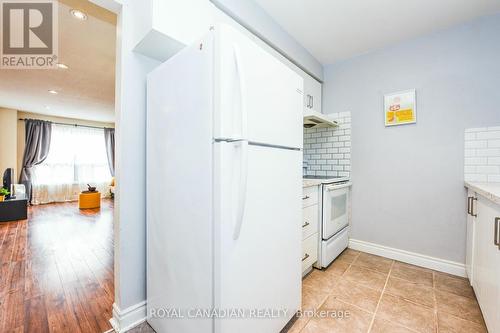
77,156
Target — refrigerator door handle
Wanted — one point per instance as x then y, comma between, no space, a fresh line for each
242,89
240,212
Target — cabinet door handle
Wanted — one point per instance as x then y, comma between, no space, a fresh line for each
305,257
468,205
496,241
305,198
472,206
305,224
312,102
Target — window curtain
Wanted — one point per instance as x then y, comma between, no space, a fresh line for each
109,138
77,157
36,150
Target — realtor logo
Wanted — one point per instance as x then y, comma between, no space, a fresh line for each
29,34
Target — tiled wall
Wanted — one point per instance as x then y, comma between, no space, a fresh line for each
327,151
482,154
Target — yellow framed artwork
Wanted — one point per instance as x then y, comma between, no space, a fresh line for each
400,108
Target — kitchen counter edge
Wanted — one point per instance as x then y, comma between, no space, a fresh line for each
490,191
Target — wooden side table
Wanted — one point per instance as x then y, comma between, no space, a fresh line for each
87,200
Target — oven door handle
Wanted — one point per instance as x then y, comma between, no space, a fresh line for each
337,187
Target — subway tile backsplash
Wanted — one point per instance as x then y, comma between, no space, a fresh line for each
327,151
482,154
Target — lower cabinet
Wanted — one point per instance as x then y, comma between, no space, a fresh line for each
309,252
483,257
310,227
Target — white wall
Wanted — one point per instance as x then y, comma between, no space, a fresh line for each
8,141
130,210
408,190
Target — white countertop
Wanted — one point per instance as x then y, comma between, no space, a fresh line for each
311,182
316,182
490,191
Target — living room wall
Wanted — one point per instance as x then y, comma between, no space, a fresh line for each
8,151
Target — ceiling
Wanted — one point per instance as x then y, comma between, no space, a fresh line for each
333,30
86,90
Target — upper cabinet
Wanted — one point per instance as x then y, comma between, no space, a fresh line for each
312,94
169,25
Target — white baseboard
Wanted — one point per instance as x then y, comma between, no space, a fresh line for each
413,258
124,320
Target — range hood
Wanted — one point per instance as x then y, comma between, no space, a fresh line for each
314,119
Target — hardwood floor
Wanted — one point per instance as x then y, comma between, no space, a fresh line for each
56,270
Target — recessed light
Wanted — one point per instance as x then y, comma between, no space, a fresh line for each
53,92
78,14
62,66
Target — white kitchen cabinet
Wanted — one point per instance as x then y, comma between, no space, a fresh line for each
486,261
310,227
310,221
312,93
471,217
310,196
167,26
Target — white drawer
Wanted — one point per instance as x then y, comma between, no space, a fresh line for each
309,221
331,248
309,251
309,196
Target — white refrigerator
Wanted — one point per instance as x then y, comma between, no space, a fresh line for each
224,210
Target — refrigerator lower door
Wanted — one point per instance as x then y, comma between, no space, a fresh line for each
258,212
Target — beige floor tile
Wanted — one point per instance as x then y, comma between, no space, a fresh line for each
312,297
453,284
414,292
355,320
407,314
366,277
337,267
295,326
384,326
460,306
348,256
355,294
320,280
375,263
412,273
451,324
142,328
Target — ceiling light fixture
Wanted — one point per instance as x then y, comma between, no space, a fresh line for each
62,66
53,92
78,14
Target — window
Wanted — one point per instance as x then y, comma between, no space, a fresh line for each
77,156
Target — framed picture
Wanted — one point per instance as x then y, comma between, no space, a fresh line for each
400,108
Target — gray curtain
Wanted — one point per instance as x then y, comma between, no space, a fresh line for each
37,147
109,138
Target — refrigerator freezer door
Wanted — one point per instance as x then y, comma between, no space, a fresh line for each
257,97
257,249
179,191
